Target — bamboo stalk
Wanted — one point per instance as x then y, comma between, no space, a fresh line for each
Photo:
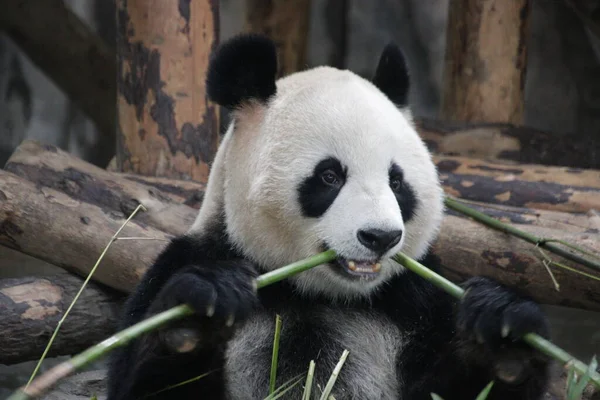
532,339
528,237
45,381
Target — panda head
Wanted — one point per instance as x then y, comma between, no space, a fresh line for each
322,159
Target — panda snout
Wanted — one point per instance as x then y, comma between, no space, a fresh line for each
378,240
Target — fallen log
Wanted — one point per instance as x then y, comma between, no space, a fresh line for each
468,248
71,234
523,185
69,52
528,186
505,141
53,168
32,306
26,224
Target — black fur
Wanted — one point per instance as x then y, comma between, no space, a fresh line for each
242,69
316,195
391,75
405,194
202,272
443,355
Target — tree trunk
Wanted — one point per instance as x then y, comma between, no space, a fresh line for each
167,127
521,185
68,232
486,60
506,141
286,22
71,234
32,306
66,49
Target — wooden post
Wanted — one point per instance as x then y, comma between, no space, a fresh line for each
286,23
167,127
486,60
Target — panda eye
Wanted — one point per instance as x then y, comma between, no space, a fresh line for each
330,178
396,184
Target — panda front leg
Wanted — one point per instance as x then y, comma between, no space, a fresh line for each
490,323
222,294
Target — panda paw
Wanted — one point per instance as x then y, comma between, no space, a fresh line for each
491,320
222,295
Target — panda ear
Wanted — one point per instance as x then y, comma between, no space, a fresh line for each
391,75
242,69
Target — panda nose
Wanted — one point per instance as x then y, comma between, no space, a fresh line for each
379,240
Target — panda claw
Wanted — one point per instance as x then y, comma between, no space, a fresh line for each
505,331
230,320
210,310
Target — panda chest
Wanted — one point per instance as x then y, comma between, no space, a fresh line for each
320,335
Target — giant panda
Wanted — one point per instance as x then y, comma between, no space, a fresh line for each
320,159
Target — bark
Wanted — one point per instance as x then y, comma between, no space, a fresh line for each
67,50
468,248
32,306
53,168
521,185
506,141
71,234
166,125
486,60
286,22
68,232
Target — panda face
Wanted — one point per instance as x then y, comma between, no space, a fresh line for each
330,162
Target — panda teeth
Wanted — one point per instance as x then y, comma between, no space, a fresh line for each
377,267
352,265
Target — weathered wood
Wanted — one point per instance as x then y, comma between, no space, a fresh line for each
469,248
286,22
523,185
71,234
559,221
53,168
486,60
31,307
67,50
505,141
28,223
166,125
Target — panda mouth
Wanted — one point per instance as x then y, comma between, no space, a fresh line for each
359,268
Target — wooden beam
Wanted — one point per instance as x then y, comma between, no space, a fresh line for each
32,306
57,169
166,125
521,185
286,23
69,232
66,49
509,142
486,60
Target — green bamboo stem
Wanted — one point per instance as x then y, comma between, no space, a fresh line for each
44,382
528,237
275,355
534,340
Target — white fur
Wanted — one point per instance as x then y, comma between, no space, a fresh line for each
263,159
370,370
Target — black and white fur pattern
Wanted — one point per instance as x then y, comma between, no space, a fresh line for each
321,159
